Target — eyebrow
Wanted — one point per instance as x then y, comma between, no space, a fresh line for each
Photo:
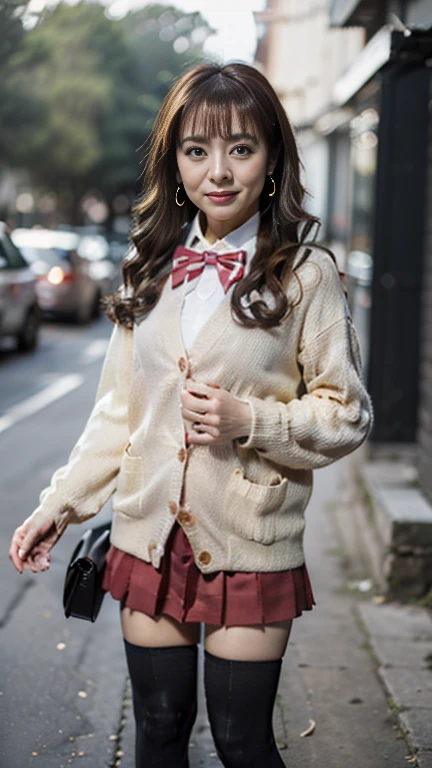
232,137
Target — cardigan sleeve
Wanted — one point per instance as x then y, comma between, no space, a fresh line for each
335,415
79,489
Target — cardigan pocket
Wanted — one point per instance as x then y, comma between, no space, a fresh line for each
127,496
252,510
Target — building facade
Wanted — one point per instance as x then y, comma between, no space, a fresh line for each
355,80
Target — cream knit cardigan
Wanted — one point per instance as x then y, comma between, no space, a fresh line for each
242,503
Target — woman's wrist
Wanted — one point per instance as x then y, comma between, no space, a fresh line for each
245,419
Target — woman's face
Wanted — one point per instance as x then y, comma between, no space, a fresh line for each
237,167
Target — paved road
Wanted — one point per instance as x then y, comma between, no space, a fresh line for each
61,680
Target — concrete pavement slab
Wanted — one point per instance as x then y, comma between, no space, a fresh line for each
425,760
401,638
414,654
417,723
390,620
409,687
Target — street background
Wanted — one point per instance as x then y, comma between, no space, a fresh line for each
80,85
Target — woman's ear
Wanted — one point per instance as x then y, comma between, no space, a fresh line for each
178,177
274,155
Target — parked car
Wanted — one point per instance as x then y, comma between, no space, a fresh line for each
72,272
108,248
20,315
105,269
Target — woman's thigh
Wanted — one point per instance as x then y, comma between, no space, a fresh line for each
140,629
258,642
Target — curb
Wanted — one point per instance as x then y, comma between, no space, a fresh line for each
401,640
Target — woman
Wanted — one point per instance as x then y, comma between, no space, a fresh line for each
233,371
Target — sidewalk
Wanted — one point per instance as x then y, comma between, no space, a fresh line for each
336,670
335,661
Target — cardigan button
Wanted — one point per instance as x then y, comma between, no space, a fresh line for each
181,454
186,518
204,557
152,545
172,507
182,364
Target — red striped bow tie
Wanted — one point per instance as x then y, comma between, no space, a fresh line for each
187,262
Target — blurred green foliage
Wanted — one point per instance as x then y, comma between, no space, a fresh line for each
79,91
14,106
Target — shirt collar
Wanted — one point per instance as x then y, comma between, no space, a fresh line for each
243,236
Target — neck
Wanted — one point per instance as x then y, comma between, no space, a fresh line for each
216,230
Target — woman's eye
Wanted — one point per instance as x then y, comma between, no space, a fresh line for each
244,146
241,147
194,149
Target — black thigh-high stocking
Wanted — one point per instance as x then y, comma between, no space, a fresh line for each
164,695
240,698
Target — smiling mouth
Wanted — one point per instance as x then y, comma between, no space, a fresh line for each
221,197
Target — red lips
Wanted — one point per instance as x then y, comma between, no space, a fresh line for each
220,198
223,193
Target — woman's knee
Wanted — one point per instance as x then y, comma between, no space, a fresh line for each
240,698
165,720
164,695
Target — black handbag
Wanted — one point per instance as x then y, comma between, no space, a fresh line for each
83,593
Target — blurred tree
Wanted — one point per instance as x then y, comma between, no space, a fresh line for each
163,41
14,107
11,30
70,62
91,87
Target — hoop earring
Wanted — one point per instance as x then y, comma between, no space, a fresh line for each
274,187
179,204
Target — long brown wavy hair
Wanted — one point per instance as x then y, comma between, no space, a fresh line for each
214,93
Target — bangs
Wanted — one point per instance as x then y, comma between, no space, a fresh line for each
211,109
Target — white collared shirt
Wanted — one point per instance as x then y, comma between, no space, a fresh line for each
205,292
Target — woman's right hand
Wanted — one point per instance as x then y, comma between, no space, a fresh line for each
31,544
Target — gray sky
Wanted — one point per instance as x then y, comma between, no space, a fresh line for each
236,38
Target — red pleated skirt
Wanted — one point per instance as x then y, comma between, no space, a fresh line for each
225,598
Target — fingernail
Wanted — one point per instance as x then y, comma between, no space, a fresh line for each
21,553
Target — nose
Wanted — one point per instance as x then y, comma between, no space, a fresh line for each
219,169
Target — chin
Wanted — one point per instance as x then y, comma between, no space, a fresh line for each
223,215
223,211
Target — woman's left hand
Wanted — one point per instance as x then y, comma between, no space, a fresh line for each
222,416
